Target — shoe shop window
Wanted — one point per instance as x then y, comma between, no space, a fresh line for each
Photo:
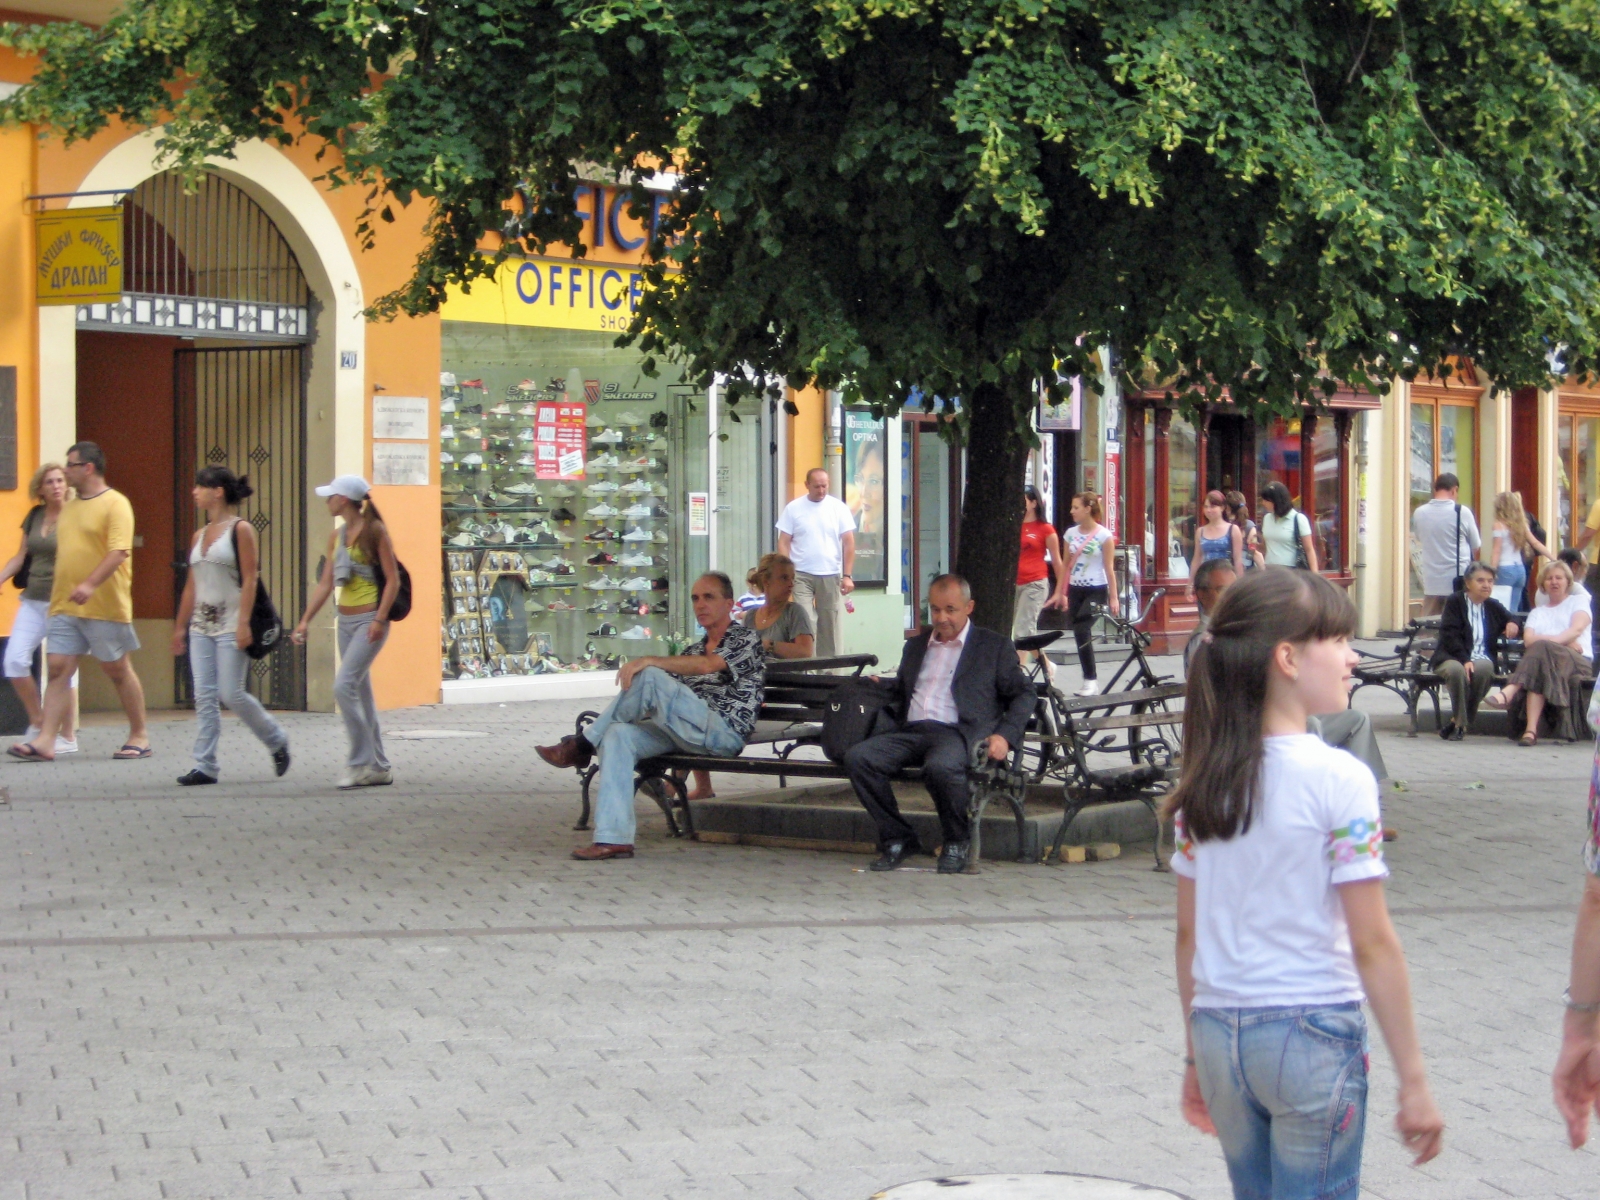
560,477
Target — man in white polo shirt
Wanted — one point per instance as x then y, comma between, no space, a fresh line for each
818,533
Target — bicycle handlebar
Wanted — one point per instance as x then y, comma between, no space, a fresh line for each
1130,622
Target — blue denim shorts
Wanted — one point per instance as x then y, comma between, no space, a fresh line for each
1287,1090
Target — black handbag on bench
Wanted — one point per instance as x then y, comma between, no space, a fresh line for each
854,712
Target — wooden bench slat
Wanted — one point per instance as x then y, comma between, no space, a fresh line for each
1164,691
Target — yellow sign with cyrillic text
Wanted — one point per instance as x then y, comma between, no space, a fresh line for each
79,256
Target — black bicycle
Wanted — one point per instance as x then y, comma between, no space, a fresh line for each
1134,673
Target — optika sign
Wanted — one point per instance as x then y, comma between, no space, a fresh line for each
80,256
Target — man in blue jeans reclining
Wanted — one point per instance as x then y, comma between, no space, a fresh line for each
703,701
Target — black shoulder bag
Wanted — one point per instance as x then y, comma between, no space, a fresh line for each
401,608
266,627
1301,562
1455,555
21,577
852,715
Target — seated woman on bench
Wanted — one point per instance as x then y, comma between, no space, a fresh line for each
1471,632
1554,664
784,625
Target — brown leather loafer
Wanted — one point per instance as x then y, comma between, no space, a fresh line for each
595,851
570,751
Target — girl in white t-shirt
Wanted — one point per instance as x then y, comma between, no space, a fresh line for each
1282,924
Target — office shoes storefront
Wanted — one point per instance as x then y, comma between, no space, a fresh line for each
580,497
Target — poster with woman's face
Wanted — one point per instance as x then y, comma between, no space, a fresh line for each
865,472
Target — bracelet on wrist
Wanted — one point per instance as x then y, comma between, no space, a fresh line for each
1574,1006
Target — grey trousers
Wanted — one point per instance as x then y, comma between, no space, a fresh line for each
821,594
1351,730
1466,694
220,669
352,688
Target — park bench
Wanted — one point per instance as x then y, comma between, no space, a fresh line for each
796,696
1150,730
1406,671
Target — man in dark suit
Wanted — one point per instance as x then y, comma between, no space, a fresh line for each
957,685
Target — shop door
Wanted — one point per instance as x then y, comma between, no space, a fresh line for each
245,409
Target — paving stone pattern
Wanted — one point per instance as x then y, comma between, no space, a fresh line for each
269,988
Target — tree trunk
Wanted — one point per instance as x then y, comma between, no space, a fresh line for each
991,510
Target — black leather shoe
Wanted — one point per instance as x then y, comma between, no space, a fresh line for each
195,778
280,759
894,853
953,859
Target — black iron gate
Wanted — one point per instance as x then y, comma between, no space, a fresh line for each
245,409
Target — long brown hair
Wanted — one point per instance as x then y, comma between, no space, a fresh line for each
1225,704
372,532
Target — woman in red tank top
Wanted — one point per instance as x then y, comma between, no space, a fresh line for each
1034,593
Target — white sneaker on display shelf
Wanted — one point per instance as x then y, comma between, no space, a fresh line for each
629,420
635,560
604,488
600,512
606,437
637,634
636,585
637,488
636,535
637,511
1091,687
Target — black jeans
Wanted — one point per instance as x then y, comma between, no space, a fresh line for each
942,753
1078,601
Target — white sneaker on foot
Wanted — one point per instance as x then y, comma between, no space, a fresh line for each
1091,687
66,746
350,779
375,777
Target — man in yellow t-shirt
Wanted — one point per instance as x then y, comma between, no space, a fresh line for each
91,604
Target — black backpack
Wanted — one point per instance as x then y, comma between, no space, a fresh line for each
853,714
266,627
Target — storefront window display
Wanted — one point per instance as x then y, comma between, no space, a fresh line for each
560,465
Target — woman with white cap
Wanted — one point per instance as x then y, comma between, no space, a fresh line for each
361,563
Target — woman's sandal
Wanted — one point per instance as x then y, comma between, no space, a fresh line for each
1495,699
26,753
1528,739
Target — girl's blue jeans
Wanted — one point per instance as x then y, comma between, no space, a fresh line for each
1287,1090
1514,575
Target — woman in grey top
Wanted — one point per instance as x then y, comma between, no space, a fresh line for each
49,488
785,628
213,623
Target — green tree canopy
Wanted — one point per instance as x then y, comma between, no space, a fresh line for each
1257,195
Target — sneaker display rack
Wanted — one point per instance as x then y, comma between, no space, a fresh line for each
523,571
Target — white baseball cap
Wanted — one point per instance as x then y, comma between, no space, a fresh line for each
352,487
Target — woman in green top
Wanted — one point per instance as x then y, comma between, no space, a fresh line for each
49,489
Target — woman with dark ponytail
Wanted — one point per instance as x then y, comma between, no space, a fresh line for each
359,555
1283,928
213,623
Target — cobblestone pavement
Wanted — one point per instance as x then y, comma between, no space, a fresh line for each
269,988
